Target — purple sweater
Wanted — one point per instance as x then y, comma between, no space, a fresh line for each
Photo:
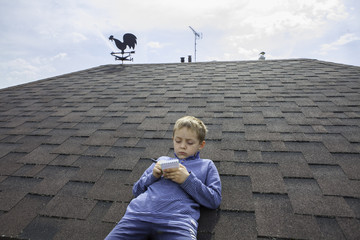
160,199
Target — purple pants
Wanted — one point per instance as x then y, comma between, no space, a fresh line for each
128,229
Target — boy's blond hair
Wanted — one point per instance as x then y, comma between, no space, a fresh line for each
193,124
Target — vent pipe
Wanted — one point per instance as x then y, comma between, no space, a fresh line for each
262,57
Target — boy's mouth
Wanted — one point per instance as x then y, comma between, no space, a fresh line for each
182,153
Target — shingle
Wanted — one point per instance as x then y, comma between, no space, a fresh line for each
152,134
354,204
111,187
236,193
53,179
313,111
351,133
278,124
236,225
58,136
64,160
138,170
9,138
305,102
319,129
8,163
333,181
278,145
212,148
115,212
73,145
275,218
214,132
29,143
69,207
98,151
102,138
13,189
73,117
307,198
29,170
111,122
129,130
76,189
158,111
15,122
266,178
295,167
153,124
330,229
253,118
208,220
96,112
42,228
79,229
155,148
350,227
13,222
314,152
90,168
232,125
85,129
254,156
336,143
260,135
125,158
294,118
40,155
135,117
6,148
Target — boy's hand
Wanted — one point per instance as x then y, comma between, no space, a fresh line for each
157,172
178,175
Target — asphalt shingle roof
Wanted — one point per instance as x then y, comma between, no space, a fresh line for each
284,135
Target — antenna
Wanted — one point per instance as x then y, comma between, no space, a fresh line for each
197,36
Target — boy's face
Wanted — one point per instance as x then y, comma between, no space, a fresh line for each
186,143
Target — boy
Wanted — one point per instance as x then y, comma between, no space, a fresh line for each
166,203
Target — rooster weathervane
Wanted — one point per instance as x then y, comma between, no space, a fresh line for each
129,40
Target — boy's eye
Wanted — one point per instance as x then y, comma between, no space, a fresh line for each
190,143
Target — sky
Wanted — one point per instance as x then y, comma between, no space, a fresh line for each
46,38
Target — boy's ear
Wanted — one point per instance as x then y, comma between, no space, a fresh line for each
202,145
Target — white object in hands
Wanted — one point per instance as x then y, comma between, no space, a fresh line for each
172,163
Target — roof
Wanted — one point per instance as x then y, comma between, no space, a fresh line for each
284,135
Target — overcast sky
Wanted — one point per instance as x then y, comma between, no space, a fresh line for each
45,38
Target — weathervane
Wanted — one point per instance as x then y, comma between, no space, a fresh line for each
197,36
128,40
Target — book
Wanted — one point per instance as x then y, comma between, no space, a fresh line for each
172,163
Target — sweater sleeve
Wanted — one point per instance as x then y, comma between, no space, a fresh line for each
144,182
207,194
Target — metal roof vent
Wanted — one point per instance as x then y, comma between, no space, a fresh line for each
262,57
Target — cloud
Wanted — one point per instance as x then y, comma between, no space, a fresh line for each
279,27
154,45
142,15
17,71
78,37
20,70
59,56
341,41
